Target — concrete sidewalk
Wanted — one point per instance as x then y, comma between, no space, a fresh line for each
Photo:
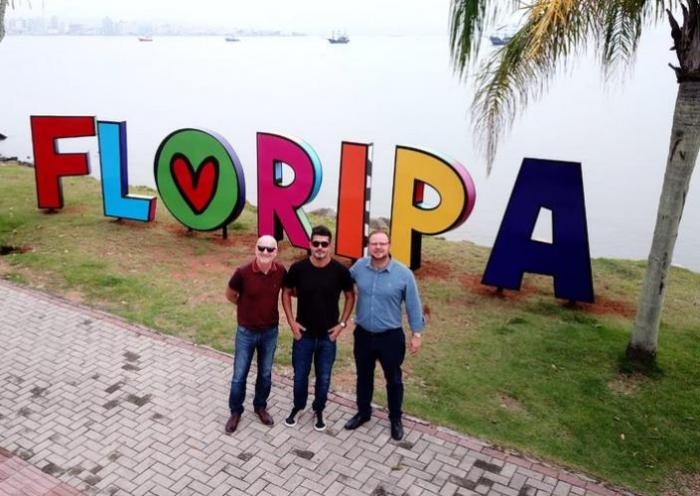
90,404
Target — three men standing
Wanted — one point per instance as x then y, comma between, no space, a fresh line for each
317,281
383,285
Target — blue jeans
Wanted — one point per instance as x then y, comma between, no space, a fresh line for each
322,352
247,343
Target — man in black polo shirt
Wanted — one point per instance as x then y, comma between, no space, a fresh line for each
254,288
317,282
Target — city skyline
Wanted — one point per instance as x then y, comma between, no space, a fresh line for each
312,16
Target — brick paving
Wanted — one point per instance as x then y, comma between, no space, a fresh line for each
90,404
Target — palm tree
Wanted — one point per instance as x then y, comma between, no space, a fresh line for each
552,31
3,7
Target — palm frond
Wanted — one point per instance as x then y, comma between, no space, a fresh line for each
522,69
553,32
468,21
3,7
621,23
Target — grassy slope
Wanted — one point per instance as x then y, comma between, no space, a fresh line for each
521,370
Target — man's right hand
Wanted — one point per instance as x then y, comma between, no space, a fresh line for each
297,330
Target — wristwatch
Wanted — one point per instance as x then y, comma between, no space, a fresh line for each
342,324
417,335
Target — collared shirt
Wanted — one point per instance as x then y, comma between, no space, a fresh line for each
258,294
380,294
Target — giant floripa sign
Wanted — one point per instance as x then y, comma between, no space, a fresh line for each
201,182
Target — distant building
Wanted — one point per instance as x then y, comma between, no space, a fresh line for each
108,27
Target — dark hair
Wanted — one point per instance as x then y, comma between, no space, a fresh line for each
321,231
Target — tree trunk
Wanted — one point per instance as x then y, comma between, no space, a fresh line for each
683,151
3,7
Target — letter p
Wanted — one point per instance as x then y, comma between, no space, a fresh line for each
410,217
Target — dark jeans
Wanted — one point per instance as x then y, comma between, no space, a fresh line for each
389,347
322,352
247,343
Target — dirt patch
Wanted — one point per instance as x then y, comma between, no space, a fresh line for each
74,296
344,380
602,306
9,249
509,403
235,238
436,270
606,306
472,283
680,484
627,384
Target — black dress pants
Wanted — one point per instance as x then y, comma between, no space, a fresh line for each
389,348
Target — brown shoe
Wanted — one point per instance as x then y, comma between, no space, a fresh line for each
265,417
232,423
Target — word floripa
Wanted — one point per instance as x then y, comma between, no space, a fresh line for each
200,180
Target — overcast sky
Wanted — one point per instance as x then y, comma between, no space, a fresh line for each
354,16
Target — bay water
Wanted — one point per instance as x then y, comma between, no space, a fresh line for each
383,90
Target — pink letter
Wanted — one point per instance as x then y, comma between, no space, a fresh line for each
279,207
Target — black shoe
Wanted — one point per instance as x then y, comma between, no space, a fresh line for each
396,430
291,421
356,421
319,425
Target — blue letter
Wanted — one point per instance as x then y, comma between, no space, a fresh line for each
557,186
115,178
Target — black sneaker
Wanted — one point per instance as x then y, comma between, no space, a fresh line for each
320,425
291,421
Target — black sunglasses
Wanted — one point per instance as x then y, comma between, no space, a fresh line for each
268,249
316,244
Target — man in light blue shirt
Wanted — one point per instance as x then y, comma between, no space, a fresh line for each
383,285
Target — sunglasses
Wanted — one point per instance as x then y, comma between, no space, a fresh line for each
323,244
268,249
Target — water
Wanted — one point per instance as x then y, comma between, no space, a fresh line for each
386,90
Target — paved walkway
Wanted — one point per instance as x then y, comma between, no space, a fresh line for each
90,404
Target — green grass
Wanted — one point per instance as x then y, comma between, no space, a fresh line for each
520,369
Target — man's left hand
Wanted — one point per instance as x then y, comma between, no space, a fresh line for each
334,332
415,343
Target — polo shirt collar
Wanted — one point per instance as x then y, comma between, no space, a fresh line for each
256,269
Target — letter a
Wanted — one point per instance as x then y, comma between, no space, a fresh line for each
557,186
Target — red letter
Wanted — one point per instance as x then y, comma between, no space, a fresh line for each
49,165
353,195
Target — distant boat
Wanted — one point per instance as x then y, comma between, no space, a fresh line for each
503,35
338,39
498,40
145,38
232,38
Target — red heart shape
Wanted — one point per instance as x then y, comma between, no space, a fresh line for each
196,187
